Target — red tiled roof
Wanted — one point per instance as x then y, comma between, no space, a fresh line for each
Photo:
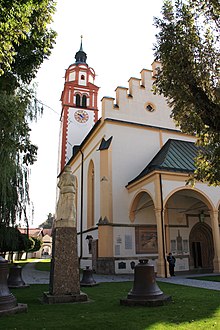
36,232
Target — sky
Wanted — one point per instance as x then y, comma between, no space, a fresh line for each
118,38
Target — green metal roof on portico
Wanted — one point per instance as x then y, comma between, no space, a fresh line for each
174,156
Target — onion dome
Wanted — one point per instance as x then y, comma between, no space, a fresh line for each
80,55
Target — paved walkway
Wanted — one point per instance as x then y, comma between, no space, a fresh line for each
32,276
184,280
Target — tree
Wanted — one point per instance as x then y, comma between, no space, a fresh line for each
47,224
188,47
25,41
37,245
13,240
10,239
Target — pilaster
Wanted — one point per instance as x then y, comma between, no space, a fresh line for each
216,239
160,239
106,184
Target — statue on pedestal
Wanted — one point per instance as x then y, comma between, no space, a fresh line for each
64,284
66,208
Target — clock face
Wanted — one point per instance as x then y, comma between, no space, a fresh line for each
81,116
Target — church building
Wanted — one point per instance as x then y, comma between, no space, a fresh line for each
131,166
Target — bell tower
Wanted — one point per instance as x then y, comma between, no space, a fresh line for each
79,106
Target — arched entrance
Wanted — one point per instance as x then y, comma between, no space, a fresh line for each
201,247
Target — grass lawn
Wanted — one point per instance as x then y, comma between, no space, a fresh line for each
22,262
43,265
192,308
213,278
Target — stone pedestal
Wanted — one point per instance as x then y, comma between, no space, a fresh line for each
64,274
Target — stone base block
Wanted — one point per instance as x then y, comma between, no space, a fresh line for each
105,266
88,284
154,302
63,299
19,308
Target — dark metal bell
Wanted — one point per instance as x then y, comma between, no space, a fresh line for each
87,279
145,290
144,282
7,300
15,277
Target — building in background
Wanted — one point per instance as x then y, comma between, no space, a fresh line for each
132,166
45,236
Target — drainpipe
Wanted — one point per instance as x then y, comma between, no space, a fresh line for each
81,210
162,220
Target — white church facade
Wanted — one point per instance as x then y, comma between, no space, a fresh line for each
132,166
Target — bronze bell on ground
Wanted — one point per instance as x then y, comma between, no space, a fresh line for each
15,277
8,303
145,290
87,279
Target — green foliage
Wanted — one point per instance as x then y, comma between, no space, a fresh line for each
188,47
11,240
47,224
25,41
23,242
16,153
28,243
36,245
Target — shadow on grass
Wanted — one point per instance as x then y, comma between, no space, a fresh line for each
192,308
213,278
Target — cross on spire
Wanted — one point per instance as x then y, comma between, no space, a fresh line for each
81,55
81,43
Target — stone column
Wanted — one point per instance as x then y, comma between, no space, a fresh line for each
105,260
160,238
216,239
64,274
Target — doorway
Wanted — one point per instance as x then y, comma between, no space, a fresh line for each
196,253
201,247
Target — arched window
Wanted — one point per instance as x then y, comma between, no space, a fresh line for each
90,196
84,99
78,100
82,77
